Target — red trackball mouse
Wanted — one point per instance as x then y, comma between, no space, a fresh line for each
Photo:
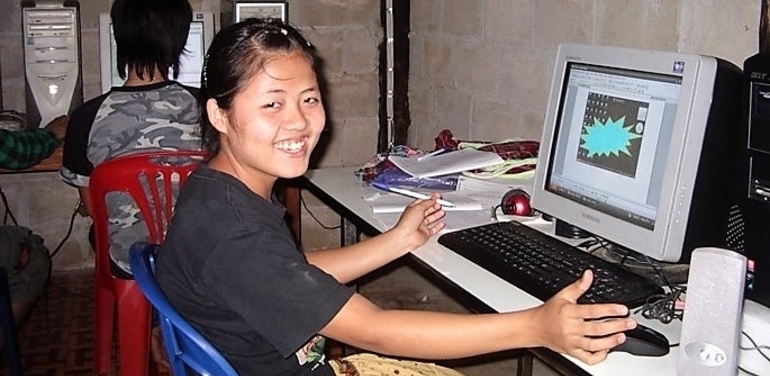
516,202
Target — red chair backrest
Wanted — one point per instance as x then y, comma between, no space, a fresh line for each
161,173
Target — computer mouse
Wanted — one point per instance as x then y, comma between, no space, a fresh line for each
643,341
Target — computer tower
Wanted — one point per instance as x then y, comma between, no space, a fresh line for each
755,200
53,74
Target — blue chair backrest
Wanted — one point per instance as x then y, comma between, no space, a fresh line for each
8,327
186,347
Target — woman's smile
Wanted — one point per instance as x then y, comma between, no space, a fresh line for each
292,146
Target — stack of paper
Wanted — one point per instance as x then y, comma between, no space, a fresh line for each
489,192
447,163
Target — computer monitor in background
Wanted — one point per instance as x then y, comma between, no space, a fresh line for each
638,147
199,38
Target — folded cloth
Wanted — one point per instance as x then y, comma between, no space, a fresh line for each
25,148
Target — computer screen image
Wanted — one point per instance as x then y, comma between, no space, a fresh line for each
633,146
202,30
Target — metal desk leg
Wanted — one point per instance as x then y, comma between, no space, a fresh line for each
525,364
348,232
349,235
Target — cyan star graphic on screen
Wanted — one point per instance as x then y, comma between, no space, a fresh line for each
609,138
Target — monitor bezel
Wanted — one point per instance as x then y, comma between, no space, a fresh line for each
665,241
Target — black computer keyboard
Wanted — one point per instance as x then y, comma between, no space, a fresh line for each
542,265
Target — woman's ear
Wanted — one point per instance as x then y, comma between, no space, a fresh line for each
217,116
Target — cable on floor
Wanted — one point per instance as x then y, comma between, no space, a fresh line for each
69,230
304,205
8,212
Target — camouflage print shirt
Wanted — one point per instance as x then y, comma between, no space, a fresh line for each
128,120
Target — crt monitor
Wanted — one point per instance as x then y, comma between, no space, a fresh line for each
198,40
637,147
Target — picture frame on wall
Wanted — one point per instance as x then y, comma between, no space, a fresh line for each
244,9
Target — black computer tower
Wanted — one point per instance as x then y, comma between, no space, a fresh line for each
755,184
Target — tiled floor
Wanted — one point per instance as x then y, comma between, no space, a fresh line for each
57,338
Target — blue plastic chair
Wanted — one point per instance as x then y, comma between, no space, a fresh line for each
186,347
8,327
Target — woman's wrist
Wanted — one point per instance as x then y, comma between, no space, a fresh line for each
402,240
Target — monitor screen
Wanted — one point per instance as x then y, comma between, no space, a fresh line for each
198,39
622,143
614,139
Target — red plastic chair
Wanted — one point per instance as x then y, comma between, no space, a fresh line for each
158,173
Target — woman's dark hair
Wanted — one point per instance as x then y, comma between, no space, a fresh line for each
149,34
238,53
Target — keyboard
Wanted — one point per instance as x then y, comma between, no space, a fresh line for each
542,265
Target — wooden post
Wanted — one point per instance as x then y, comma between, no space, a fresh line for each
399,120
288,192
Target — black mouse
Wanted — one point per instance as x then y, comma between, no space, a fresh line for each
643,341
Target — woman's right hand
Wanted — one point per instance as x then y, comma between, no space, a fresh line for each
585,331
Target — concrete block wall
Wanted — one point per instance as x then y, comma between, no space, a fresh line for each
347,34
482,68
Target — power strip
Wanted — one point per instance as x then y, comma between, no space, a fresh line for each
11,125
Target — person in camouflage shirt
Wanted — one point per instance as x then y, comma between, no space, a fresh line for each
150,112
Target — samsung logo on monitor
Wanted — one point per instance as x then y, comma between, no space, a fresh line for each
590,217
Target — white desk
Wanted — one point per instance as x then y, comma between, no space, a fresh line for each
343,192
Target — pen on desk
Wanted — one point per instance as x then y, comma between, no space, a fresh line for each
431,154
412,194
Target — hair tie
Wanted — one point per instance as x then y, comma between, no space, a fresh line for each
284,31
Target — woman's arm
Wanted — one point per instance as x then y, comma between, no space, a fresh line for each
420,220
560,324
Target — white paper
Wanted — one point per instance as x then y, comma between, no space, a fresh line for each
487,192
454,220
396,203
448,163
